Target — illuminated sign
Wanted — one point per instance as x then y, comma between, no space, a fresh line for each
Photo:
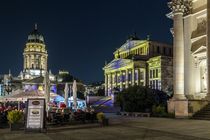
35,115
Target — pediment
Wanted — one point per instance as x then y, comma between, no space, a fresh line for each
118,63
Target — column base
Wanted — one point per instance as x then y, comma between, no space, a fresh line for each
179,97
207,97
185,108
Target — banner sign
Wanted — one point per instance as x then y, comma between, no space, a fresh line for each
35,114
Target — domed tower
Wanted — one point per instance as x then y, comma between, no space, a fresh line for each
35,55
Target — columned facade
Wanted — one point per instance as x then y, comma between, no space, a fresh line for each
35,56
132,63
191,56
177,7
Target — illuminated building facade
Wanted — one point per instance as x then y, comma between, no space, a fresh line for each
191,56
35,56
139,62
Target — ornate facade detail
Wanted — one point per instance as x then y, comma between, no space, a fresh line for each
201,28
151,62
188,7
172,31
176,6
35,56
180,6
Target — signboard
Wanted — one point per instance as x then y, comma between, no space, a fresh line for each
35,114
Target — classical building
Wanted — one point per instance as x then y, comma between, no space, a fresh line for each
139,62
35,56
191,54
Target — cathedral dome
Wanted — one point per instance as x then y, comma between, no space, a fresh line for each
35,36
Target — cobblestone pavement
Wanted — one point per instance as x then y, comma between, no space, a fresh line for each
122,128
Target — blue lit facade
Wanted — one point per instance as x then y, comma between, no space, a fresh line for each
133,62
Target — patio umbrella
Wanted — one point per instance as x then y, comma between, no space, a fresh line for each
66,90
74,88
47,88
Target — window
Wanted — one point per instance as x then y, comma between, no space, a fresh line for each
150,74
156,73
136,75
154,76
123,78
141,75
129,77
150,83
156,84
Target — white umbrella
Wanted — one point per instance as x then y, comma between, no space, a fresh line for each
74,88
66,90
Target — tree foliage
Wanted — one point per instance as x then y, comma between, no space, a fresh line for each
140,99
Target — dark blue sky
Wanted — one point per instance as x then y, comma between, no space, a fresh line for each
81,34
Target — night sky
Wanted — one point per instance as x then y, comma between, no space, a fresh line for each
81,34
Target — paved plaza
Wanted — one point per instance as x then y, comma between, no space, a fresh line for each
122,128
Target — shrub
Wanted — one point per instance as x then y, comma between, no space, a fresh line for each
140,99
159,111
14,116
100,116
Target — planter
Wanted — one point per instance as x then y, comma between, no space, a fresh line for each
16,126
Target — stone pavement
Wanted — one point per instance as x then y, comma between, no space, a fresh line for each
125,128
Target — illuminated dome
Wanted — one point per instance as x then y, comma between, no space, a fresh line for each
35,36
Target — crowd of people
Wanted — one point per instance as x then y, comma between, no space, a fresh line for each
55,114
64,114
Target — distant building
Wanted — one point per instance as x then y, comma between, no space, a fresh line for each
93,88
35,66
139,62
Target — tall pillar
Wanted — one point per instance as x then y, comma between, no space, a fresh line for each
208,51
121,81
177,7
111,83
133,76
126,78
29,58
106,85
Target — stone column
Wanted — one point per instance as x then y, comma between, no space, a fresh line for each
115,79
29,58
177,7
133,76
121,82
208,51
126,78
106,85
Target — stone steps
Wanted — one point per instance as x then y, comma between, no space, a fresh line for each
203,114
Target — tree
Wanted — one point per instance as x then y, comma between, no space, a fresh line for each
140,99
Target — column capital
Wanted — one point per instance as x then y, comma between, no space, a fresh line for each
180,6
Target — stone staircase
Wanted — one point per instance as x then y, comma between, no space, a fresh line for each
203,114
